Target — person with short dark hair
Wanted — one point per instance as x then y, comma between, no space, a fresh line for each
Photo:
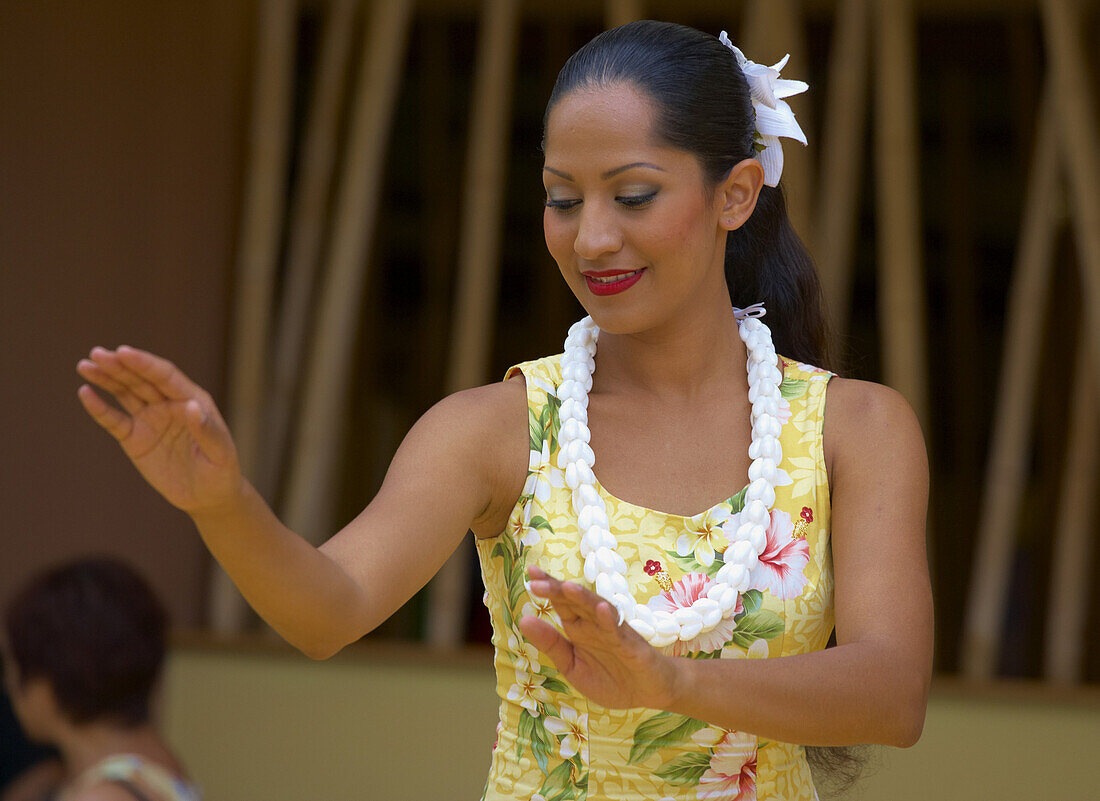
84,647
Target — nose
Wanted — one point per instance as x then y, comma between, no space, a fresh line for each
597,233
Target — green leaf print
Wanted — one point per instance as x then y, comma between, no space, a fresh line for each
737,502
551,684
538,431
752,600
793,388
661,730
689,564
506,550
541,743
538,521
763,624
707,654
553,403
686,770
559,783
515,592
515,584
526,721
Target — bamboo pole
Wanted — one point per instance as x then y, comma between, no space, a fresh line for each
437,156
842,156
1008,453
478,267
901,291
771,29
620,12
1065,632
310,497
307,227
257,256
1076,109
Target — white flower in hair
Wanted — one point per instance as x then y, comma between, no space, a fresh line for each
774,118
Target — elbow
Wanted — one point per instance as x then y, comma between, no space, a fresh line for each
908,730
319,653
907,715
321,648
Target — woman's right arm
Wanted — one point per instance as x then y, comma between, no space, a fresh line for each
461,466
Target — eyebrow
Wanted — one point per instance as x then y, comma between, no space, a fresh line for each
609,173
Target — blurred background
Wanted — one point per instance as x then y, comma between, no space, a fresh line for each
328,214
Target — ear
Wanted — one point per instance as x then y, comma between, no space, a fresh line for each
736,194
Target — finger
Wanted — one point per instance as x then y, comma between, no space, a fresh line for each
161,373
607,618
111,363
92,373
117,424
581,600
549,641
213,439
570,600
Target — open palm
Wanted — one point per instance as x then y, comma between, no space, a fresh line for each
607,662
169,426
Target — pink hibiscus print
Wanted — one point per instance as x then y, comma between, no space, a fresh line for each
732,772
784,413
779,570
683,594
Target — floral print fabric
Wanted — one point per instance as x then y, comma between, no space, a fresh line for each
553,743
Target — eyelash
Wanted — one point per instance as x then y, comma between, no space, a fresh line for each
630,202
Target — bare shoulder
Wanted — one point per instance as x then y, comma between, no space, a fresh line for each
482,415
488,425
869,422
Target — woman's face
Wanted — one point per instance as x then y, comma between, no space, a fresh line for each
629,221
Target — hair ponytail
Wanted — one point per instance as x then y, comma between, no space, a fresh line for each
767,262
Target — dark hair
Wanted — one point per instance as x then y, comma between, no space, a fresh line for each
703,106
94,630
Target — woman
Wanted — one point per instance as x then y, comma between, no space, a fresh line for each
659,219
85,643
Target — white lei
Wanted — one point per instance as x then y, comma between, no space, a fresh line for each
603,566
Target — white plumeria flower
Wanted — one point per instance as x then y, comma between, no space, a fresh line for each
709,736
526,655
528,691
574,727
758,650
520,521
543,475
540,608
706,534
539,383
774,117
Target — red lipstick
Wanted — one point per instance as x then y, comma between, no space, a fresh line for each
619,281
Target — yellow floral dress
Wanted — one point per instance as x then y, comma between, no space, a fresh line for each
556,745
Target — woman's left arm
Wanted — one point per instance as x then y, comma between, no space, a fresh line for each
873,686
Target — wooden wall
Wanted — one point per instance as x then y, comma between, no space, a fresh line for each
121,139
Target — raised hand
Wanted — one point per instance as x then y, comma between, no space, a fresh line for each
169,427
609,663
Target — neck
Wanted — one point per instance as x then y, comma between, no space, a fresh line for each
678,360
85,745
